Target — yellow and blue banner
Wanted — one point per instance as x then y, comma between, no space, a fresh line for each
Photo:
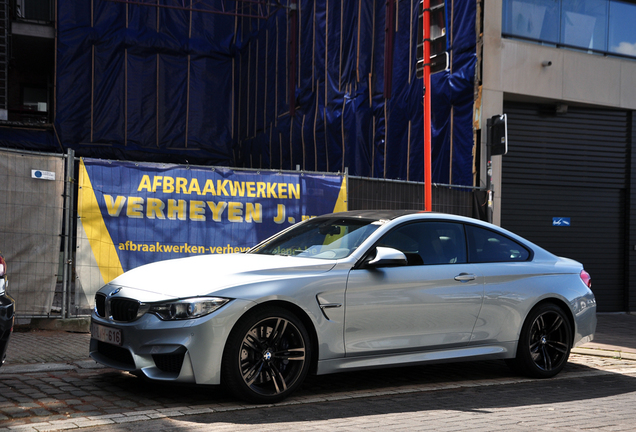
135,213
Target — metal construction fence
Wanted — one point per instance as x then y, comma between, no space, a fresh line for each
32,209
39,234
369,193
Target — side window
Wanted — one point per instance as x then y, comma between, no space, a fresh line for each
487,246
428,242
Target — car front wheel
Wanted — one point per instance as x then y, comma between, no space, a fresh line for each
544,343
267,356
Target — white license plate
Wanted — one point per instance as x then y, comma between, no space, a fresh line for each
106,334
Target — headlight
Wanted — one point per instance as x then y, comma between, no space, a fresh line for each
2,286
187,308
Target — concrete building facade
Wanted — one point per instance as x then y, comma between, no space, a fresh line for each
570,95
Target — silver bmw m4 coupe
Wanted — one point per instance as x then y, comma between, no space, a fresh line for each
343,292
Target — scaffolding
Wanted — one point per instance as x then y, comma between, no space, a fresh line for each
261,9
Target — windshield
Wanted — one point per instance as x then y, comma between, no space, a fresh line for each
329,239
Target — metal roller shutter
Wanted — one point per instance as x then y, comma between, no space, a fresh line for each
571,165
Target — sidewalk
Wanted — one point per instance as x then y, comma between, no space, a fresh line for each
615,337
37,349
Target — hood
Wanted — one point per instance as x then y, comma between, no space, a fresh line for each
206,274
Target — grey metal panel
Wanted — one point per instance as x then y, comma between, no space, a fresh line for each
595,237
581,148
630,271
571,165
374,194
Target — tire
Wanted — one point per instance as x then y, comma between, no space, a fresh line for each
544,343
267,356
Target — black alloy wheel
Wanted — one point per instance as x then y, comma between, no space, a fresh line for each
544,344
267,356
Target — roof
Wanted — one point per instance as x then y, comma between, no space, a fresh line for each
374,214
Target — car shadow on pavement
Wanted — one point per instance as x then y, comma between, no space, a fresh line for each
423,382
402,393
325,387
535,399
480,386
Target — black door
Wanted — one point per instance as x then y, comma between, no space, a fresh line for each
564,182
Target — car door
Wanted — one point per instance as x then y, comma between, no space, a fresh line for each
508,282
433,302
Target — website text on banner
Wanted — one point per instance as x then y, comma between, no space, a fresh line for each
132,213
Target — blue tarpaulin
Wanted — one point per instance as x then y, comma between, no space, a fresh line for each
141,82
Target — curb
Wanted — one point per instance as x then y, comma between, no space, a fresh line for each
597,352
50,367
76,325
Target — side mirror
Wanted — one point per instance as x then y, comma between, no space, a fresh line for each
385,257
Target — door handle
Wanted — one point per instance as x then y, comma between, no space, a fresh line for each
465,277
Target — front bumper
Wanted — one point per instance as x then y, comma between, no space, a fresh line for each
7,317
188,351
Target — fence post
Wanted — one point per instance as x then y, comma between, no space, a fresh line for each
346,178
67,244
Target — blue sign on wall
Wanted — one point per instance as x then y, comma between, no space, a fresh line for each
561,221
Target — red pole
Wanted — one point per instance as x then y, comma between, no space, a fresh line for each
428,177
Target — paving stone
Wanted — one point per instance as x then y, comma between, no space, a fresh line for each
592,392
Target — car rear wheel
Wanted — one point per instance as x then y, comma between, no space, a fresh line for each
544,343
267,356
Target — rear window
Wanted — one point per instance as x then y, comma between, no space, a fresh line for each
486,246
429,242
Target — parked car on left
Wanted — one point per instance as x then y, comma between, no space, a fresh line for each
7,311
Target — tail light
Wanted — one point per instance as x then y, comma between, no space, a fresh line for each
3,281
586,278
